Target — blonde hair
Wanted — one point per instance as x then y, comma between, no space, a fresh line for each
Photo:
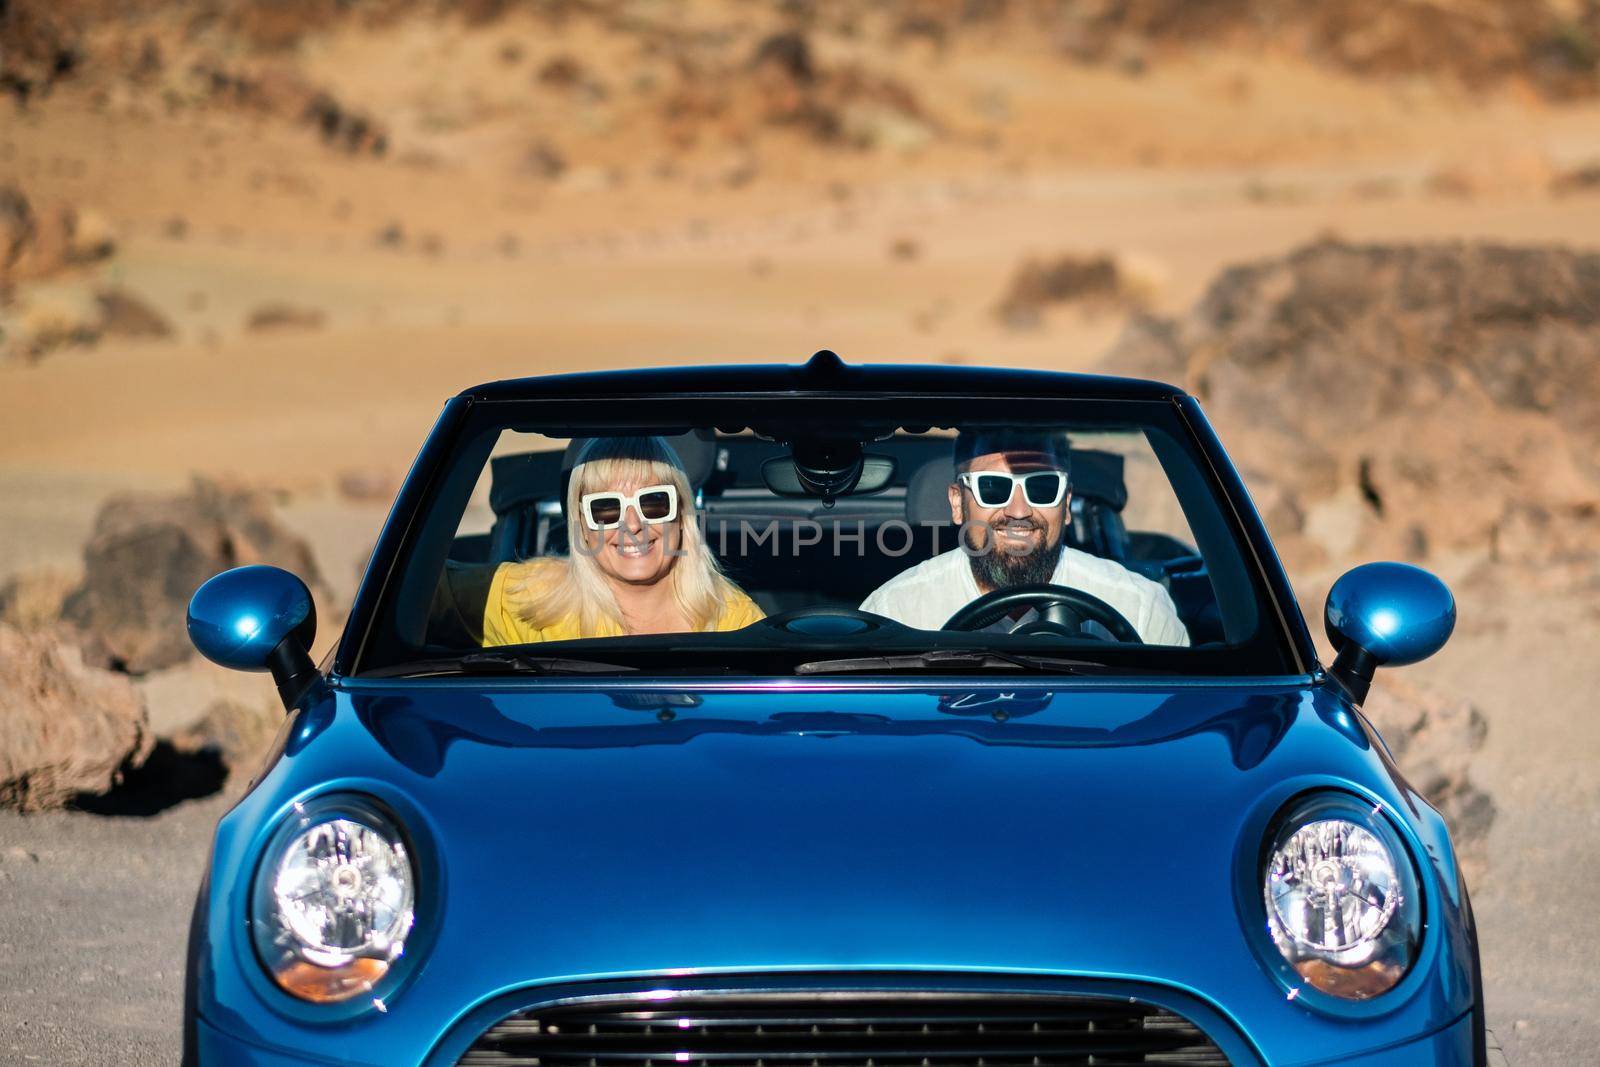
580,588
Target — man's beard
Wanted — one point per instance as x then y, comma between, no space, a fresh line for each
998,569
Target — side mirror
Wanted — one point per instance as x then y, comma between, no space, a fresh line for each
1385,615
258,619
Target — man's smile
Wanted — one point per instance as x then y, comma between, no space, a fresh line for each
1013,534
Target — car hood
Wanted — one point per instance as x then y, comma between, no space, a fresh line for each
865,827
1085,830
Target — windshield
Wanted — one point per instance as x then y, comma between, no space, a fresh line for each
796,536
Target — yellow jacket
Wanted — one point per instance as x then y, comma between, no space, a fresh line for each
502,626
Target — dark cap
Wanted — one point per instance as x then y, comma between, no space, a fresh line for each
1047,446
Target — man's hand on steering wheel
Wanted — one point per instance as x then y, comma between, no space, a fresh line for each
1063,610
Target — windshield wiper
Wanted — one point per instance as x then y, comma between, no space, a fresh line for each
956,659
500,663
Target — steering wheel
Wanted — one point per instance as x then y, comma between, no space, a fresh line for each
1063,608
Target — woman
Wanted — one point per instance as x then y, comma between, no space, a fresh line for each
638,563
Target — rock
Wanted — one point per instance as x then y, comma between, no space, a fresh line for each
344,128
33,601
65,728
148,554
544,161
392,235
876,125
143,62
784,86
481,12
278,25
565,73
124,315
46,325
275,89
39,242
905,249
239,735
17,231
278,89
1584,179
1433,739
789,53
1095,281
269,318
69,317
922,26
218,86
561,72
90,236
1409,402
364,485
40,44
1547,44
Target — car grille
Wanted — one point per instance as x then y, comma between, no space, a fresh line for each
844,1030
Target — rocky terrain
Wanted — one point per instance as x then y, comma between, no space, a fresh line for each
247,247
1463,438
1467,421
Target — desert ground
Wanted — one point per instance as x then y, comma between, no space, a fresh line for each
262,245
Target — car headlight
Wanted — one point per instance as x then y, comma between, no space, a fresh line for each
333,902
1342,900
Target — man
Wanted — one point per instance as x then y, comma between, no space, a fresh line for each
1012,498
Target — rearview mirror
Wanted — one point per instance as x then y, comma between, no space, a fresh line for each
257,619
1385,615
868,473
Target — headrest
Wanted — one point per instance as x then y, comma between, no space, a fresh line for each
698,450
517,480
1099,475
927,499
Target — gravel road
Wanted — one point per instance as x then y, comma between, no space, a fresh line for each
94,912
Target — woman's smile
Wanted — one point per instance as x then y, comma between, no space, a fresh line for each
635,546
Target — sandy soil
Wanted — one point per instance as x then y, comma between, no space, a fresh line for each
640,253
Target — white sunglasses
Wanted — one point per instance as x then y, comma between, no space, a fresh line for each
993,489
654,503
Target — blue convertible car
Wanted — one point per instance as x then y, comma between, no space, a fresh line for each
828,715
